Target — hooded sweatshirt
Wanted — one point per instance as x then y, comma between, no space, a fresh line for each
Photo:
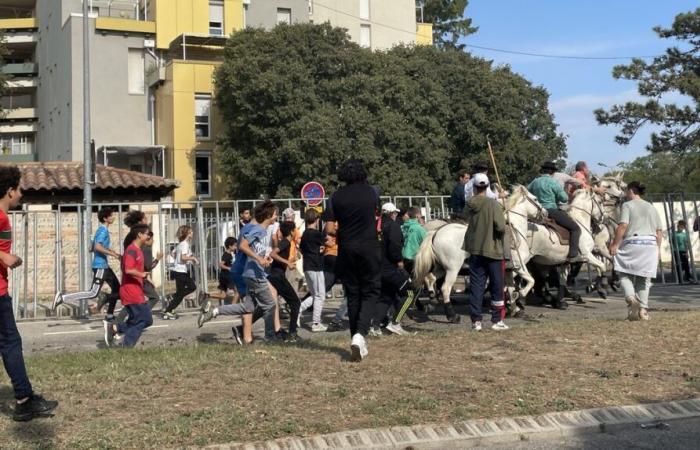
487,225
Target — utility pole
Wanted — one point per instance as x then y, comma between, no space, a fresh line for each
87,152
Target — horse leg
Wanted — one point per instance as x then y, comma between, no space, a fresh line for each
450,278
560,303
601,280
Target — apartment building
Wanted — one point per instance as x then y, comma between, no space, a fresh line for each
151,76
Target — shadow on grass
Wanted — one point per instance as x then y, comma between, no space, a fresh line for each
38,433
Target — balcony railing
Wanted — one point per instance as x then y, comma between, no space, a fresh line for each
122,9
19,69
24,24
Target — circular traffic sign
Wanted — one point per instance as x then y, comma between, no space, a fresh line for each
313,193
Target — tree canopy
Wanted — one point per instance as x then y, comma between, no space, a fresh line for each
665,172
298,101
676,71
449,22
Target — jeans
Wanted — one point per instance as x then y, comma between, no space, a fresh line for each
685,266
99,278
636,287
11,349
395,282
563,219
481,267
259,292
317,288
278,279
140,318
149,290
359,268
184,285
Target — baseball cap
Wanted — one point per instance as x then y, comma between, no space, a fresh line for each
389,208
481,180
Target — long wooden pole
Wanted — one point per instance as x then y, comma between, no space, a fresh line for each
493,161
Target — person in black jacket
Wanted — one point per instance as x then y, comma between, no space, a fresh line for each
353,207
457,200
395,280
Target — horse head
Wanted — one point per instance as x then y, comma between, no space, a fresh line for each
522,202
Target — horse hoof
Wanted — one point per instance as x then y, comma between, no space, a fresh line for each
579,300
520,314
602,294
561,305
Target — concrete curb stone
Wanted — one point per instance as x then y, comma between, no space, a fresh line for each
472,433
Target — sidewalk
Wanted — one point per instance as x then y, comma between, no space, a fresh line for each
506,432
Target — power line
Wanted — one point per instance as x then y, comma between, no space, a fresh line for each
480,47
543,55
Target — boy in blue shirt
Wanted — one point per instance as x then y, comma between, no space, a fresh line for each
102,273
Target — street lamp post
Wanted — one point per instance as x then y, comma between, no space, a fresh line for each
87,150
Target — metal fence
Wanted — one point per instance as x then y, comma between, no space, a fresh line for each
55,258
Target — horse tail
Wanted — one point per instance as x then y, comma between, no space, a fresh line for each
425,259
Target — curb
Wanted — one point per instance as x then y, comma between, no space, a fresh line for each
473,433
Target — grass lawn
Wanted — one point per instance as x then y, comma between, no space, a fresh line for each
215,393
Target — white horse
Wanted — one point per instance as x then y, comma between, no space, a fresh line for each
541,245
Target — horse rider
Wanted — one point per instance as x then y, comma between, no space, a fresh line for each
582,174
550,194
457,200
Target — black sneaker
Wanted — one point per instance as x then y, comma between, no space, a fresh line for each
292,338
281,334
36,406
238,334
335,325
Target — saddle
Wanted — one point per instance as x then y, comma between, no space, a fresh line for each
561,232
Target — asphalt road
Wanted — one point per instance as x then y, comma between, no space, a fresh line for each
670,435
74,335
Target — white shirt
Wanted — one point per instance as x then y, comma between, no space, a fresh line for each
563,178
271,232
182,249
469,191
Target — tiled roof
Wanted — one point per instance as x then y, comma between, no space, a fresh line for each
52,176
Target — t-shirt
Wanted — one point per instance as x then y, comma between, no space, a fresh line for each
580,176
641,217
682,241
548,191
353,207
227,259
272,230
563,178
99,260
259,242
131,289
311,242
284,248
147,257
5,246
242,258
182,249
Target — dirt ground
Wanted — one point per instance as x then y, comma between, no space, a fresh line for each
206,393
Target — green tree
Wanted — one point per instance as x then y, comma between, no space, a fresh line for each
299,100
677,71
449,22
665,172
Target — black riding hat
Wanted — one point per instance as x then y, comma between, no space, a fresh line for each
549,165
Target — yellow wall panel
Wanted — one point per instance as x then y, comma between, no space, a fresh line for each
233,16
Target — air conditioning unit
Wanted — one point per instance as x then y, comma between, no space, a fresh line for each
149,43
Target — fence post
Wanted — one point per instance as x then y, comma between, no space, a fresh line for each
687,233
202,247
25,259
35,261
675,253
661,266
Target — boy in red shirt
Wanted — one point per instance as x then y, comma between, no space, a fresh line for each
131,291
29,405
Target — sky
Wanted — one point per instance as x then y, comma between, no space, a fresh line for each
592,28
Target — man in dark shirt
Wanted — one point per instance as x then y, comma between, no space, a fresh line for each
457,201
394,279
312,249
353,207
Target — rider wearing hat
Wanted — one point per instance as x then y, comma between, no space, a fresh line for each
482,168
550,194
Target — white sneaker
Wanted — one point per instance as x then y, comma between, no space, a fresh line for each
476,326
318,327
57,300
358,348
500,326
396,328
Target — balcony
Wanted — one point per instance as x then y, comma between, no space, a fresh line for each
424,33
19,69
19,114
17,147
22,24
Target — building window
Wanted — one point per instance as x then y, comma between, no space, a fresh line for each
364,9
16,144
365,36
137,76
284,15
203,174
216,17
202,117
